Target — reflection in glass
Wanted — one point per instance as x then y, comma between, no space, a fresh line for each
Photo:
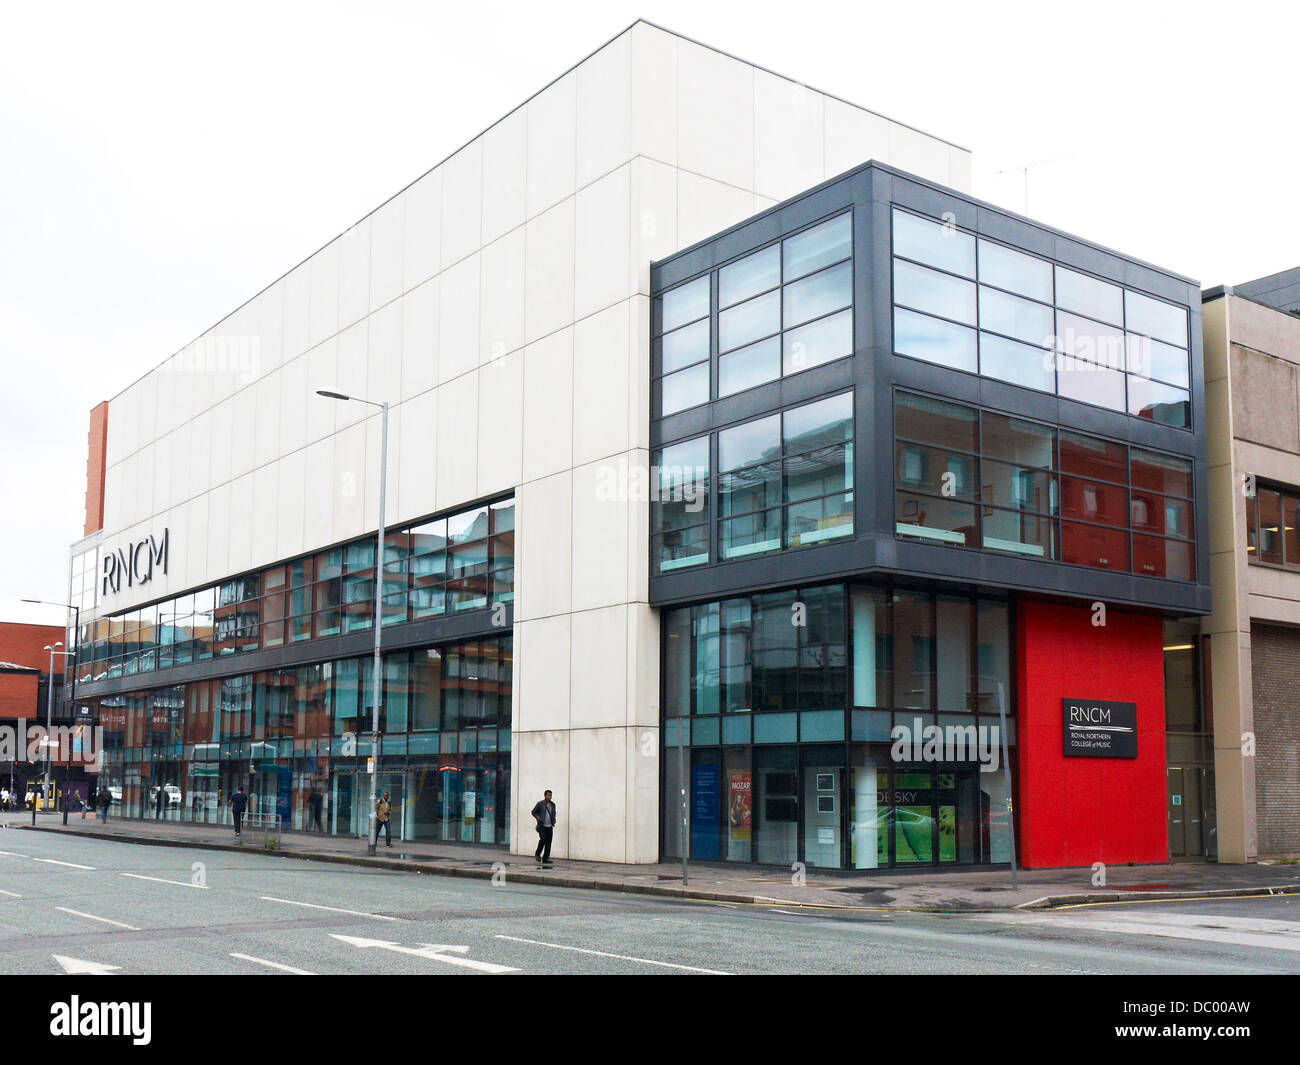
685,347
1014,270
1020,364
1155,318
685,303
686,388
1089,295
818,342
818,295
934,243
749,367
749,321
749,276
923,337
817,247
928,290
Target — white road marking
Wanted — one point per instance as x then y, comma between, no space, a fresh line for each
11,894
160,880
431,951
272,964
14,854
78,967
92,917
70,865
332,909
619,957
1205,928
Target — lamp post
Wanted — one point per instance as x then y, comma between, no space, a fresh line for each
49,710
72,695
372,837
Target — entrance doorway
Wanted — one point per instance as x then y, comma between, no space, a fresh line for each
1188,802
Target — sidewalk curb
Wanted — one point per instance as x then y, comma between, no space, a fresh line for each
686,894
1052,902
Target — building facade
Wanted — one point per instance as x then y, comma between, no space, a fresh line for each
27,672
1252,357
502,305
926,470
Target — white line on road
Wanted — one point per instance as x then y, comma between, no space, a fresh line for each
160,880
14,854
432,951
272,964
92,917
81,967
11,894
70,865
332,909
619,957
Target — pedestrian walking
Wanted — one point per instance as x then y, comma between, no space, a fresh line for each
238,804
159,803
105,801
316,801
31,799
383,814
544,815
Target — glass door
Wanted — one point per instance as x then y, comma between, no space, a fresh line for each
1174,791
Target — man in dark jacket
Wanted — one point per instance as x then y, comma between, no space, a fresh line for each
105,801
238,804
544,815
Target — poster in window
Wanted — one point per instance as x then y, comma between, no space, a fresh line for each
740,815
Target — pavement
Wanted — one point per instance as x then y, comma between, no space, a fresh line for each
924,890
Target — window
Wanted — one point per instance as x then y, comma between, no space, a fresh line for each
1272,525
981,307
749,488
456,563
680,508
972,478
684,314
781,309
786,481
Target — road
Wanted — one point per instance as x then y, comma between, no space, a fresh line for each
86,905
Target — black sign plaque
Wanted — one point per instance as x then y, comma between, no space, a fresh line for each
1098,728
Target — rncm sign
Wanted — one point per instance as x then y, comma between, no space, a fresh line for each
135,563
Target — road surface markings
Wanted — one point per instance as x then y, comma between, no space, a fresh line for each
160,880
272,964
78,967
1206,928
70,865
430,951
332,909
11,894
14,854
92,917
619,957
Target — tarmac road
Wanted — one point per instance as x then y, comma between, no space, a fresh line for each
81,904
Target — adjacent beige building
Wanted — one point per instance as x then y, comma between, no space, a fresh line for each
1252,638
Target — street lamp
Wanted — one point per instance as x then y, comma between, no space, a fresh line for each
372,839
49,710
72,695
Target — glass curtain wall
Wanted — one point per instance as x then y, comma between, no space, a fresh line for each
297,741
844,726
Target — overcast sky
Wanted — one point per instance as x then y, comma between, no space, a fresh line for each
161,163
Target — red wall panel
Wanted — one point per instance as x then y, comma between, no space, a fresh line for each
1077,811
